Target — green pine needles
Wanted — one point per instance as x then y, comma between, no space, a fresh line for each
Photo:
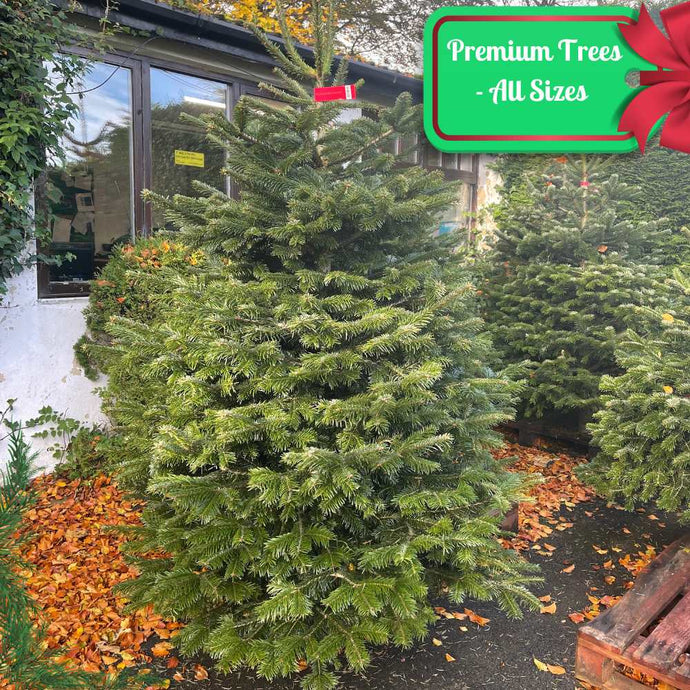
309,414
565,267
643,430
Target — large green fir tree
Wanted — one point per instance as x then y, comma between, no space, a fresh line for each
309,416
643,431
564,268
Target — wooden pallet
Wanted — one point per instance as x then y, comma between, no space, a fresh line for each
511,521
528,432
647,630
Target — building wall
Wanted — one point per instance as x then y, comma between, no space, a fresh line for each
37,363
488,193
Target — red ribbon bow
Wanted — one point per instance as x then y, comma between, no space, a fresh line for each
669,92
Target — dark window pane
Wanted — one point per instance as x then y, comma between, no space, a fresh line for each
181,152
90,190
450,161
433,157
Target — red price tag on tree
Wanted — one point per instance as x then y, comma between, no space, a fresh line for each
335,93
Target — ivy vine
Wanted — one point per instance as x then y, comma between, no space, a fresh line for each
36,111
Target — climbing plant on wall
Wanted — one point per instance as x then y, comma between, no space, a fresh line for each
35,113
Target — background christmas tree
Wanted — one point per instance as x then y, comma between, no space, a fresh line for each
643,431
565,265
309,415
660,175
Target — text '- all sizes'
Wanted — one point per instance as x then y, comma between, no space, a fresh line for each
540,90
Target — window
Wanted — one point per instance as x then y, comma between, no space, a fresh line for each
131,134
433,157
404,146
459,215
466,161
461,168
449,161
409,145
89,191
180,151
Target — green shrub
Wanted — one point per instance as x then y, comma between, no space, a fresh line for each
129,286
36,113
80,451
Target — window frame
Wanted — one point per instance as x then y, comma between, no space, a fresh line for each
43,284
142,155
231,99
469,177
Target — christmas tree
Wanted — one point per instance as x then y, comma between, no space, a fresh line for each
643,430
309,415
564,267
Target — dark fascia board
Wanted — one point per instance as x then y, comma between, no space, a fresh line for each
225,37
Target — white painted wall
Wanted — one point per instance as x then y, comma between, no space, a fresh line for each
37,363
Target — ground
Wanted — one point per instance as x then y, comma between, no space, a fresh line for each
589,552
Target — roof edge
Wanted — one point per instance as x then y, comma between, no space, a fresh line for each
227,37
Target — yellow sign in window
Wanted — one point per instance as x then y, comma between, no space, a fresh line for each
192,158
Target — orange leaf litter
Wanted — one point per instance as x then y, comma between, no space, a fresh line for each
560,488
75,562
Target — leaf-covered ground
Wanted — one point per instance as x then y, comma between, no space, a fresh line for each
589,551
75,561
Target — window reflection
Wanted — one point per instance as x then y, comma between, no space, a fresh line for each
449,161
89,190
459,215
180,151
466,162
433,157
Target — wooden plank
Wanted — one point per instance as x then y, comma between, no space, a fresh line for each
669,639
683,671
592,666
615,637
528,432
671,678
655,588
681,682
620,682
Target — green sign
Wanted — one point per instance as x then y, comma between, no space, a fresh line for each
528,79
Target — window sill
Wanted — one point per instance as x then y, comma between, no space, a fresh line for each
62,299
